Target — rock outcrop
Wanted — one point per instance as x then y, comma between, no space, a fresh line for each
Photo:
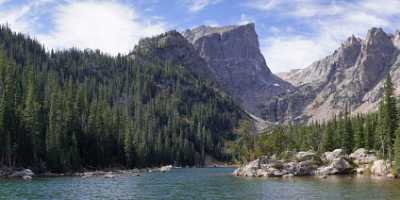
304,164
235,59
25,174
308,163
362,156
335,162
381,168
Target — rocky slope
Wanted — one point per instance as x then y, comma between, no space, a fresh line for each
234,57
353,74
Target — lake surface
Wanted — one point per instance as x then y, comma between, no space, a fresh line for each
207,183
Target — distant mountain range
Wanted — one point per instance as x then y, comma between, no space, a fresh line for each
353,75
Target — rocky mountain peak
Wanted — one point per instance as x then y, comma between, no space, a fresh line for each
346,56
353,74
235,58
377,54
351,41
203,31
376,36
378,42
396,39
173,48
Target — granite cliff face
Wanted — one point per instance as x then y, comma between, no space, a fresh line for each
353,74
234,57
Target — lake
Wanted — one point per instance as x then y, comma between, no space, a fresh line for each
206,183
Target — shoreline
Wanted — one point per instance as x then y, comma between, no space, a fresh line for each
26,173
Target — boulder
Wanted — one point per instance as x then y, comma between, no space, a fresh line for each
328,157
326,170
109,175
338,166
381,168
249,169
270,172
165,168
363,156
290,167
260,173
342,165
266,162
306,155
288,176
305,168
22,173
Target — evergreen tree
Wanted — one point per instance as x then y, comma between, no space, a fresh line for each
397,152
387,119
328,140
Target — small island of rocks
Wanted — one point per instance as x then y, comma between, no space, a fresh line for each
309,163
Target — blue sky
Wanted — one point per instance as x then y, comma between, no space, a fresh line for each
292,33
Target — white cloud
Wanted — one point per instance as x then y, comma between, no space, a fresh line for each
327,24
22,18
106,25
285,53
265,5
110,26
197,5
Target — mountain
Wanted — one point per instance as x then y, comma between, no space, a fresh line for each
233,56
172,48
353,75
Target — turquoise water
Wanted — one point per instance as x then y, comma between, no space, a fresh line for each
208,183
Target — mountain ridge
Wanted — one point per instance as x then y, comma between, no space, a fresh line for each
353,74
234,56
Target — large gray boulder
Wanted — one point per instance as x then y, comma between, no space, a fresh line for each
339,165
381,168
330,156
305,168
249,169
306,156
24,173
362,156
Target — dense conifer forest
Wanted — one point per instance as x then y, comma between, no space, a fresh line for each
71,110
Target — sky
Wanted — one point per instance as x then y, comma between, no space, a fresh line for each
292,33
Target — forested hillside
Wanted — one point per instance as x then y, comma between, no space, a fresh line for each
69,110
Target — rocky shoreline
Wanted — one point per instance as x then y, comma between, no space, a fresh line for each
309,163
28,174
